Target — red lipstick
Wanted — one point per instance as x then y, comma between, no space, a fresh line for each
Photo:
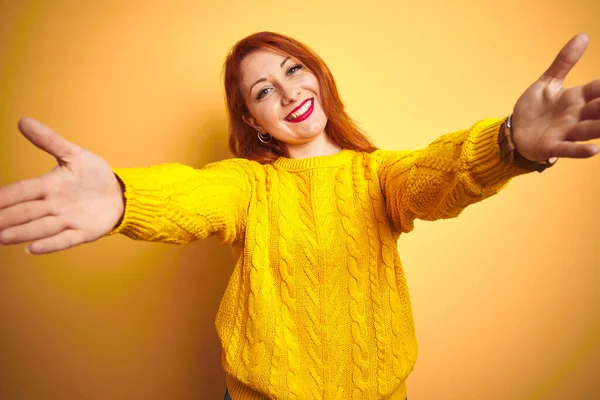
303,116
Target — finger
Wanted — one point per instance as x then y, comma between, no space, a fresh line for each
46,139
574,150
33,230
584,130
61,241
591,90
26,190
590,110
22,213
567,57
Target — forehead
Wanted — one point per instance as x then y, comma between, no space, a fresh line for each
260,62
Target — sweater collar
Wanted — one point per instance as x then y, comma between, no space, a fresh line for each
298,164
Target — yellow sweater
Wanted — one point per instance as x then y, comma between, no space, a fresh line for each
317,306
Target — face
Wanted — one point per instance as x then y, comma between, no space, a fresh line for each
283,97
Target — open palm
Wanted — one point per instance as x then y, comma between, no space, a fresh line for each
79,201
549,119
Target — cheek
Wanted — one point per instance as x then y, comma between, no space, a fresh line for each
268,115
313,83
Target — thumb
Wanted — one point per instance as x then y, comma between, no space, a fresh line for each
567,58
46,139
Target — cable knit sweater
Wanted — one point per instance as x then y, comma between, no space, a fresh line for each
317,306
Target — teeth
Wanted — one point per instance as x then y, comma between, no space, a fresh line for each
301,111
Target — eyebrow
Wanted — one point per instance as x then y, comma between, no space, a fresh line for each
264,79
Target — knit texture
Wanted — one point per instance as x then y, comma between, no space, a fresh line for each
317,306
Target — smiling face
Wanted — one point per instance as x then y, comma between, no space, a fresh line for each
283,98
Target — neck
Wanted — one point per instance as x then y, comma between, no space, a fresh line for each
322,145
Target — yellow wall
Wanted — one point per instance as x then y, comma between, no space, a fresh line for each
506,298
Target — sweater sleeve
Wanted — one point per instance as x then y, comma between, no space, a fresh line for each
174,203
442,179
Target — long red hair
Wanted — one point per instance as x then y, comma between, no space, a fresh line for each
243,140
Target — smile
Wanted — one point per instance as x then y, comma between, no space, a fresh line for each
301,112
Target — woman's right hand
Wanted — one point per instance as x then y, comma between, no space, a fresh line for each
79,201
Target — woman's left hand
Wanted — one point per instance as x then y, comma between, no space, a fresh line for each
548,119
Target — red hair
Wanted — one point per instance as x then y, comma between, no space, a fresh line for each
243,140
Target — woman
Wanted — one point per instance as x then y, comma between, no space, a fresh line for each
317,305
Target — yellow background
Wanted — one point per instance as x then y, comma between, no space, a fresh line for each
506,297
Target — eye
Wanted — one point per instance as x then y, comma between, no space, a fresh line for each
290,71
294,69
262,93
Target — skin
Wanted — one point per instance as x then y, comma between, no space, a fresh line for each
80,200
550,119
285,88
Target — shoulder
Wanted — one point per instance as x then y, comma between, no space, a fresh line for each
381,159
236,164
240,169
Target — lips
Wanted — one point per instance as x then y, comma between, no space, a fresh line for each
303,116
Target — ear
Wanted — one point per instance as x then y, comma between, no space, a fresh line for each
252,122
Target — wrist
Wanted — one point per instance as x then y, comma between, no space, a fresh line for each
121,210
510,153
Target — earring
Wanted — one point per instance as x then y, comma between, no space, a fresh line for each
266,138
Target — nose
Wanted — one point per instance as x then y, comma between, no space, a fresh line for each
289,94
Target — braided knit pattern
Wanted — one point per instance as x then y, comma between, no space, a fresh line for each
234,336
288,288
355,289
388,267
370,198
255,331
310,268
279,365
318,305
334,279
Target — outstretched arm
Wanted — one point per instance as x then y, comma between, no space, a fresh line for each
442,179
81,199
174,203
465,167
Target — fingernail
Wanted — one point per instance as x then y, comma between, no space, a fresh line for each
27,250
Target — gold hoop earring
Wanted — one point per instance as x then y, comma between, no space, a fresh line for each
265,139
